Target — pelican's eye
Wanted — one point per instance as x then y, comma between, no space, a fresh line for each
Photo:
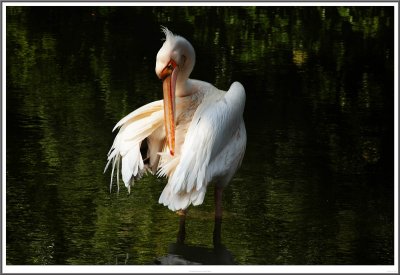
172,65
168,69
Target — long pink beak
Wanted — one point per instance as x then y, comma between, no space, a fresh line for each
169,75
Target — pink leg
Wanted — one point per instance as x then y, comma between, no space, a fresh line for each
218,215
182,230
218,202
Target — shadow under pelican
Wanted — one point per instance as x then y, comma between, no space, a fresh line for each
182,254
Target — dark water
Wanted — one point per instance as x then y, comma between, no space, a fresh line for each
316,184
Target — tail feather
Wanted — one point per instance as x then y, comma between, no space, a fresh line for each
181,200
198,196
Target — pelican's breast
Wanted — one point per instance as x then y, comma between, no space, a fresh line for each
185,109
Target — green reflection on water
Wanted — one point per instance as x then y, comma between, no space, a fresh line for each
316,185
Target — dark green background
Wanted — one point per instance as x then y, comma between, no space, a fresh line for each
316,184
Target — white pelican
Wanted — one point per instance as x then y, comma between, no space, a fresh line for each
195,136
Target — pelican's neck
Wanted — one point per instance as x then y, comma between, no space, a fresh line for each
184,88
184,85
185,56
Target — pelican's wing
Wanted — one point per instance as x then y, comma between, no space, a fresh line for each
216,120
125,150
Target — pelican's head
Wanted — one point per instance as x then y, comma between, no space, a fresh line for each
175,53
175,62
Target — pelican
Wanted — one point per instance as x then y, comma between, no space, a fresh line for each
194,136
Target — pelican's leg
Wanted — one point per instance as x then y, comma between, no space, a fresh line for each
218,215
182,231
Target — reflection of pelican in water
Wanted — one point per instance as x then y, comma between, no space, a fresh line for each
182,254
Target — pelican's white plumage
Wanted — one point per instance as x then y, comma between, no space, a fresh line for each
201,140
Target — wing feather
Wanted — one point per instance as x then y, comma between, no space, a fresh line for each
140,113
217,118
125,151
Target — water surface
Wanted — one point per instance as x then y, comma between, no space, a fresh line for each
316,184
